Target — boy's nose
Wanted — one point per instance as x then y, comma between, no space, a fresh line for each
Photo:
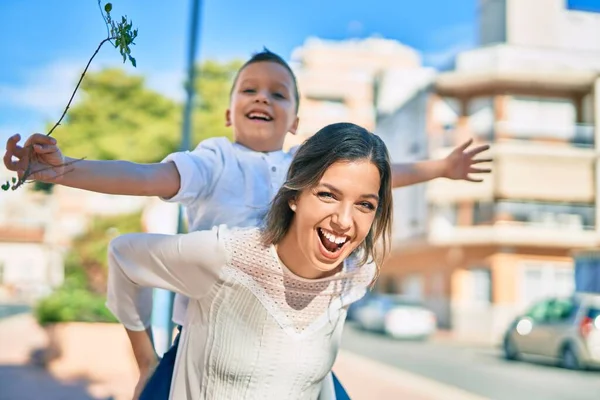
262,97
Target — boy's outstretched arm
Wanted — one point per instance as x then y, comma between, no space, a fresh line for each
461,164
47,164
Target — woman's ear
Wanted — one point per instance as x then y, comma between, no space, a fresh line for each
292,204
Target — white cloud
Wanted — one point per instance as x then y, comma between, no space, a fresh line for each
42,93
46,89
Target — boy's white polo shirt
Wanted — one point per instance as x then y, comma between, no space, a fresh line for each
224,183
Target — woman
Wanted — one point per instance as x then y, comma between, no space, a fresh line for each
268,304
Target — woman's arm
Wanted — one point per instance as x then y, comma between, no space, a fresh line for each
188,264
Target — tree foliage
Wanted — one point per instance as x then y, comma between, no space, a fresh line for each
119,117
213,87
83,294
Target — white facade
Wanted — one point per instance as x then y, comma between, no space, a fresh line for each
29,270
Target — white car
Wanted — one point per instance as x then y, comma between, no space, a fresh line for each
397,316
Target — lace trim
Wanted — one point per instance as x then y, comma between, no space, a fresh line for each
301,307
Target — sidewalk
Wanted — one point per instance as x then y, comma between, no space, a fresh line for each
19,336
363,378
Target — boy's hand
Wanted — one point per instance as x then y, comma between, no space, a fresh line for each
40,154
461,162
145,374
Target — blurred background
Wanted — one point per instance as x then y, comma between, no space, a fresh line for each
493,288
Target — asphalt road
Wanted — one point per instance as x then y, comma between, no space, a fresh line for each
475,368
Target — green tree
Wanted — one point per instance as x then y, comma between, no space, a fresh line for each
83,294
86,263
119,118
213,87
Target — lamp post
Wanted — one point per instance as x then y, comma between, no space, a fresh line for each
163,300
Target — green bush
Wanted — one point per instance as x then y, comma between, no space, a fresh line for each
82,296
72,305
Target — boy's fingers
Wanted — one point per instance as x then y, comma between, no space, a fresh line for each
45,149
8,162
12,149
39,138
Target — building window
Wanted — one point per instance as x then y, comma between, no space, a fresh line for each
480,286
412,286
552,215
531,118
545,279
334,109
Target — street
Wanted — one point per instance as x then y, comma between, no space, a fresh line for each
477,369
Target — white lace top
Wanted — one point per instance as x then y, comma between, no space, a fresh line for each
253,329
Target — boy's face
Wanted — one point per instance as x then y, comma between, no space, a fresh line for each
263,107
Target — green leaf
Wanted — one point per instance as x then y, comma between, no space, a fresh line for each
6,186
132,61
14,180
108,7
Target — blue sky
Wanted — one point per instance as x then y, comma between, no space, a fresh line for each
46,44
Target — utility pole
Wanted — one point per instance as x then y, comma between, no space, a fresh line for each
163,300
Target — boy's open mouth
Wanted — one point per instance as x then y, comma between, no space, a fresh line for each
332,243
259,116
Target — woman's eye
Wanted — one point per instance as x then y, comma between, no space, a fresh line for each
325,195
367,205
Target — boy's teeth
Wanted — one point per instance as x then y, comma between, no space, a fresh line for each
259,115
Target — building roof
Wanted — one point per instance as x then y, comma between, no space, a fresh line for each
21,235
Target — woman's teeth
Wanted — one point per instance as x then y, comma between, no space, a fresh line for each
339,240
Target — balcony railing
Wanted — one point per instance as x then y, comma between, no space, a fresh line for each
576,135
579,135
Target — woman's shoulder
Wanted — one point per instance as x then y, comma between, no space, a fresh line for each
243,242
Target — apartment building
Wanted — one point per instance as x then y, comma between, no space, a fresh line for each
478,253
339,80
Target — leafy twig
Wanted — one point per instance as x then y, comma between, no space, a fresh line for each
123,36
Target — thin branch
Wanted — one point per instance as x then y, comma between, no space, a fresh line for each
104,18
77,87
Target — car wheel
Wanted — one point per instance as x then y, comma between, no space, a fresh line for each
570,359
510,349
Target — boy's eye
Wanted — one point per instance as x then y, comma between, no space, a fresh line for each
248,91
279,95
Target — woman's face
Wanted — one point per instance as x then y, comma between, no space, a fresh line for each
332,219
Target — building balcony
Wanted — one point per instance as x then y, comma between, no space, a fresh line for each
506,233
510,223
574,135
505,68
526,170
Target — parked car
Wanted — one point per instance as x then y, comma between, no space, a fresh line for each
397,316
565,330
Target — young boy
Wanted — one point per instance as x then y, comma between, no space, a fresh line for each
219,182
